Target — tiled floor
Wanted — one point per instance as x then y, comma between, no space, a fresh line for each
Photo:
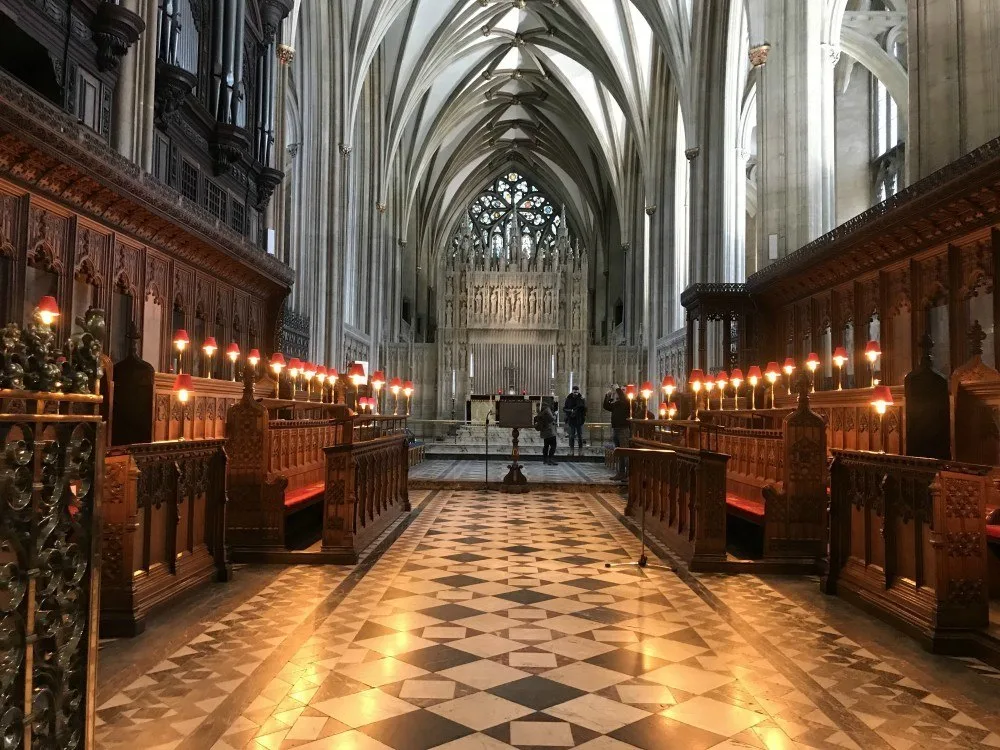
492,623
566,471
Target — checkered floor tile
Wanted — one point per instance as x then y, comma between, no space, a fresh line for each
493,623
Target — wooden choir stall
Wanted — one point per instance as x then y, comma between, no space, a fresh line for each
286,457
886,328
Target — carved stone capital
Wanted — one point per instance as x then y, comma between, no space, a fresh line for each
380,207
758,55
650,210
692,152
345,149
285,54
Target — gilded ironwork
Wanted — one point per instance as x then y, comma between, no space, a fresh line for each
48,542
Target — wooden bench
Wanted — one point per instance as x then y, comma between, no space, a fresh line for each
277,468
163,528
775,479
366,485
680,492
908,543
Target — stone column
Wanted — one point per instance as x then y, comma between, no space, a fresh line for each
794,100
954,87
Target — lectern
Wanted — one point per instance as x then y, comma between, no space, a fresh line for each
515,414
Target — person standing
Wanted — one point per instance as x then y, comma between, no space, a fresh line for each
575,409
616,403
545,423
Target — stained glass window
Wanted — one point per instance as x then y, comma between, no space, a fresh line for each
491,215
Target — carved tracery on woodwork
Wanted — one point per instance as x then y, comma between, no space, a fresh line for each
934,284
899,292
976,269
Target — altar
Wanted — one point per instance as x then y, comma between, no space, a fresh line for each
513,317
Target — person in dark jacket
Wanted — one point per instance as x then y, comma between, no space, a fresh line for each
575,409
545,423
616,403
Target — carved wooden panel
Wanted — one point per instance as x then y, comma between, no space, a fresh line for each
240,320
934,281
157,278
10,212
222,315
900,298
126,268
182,291
256,335
976,268
91,255
48,238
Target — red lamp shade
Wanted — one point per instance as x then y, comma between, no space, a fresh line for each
48,310
789,365
721,379
754,372
872,347
321,372
672,407
408,386
278,360
210,345
812,360
840,353
183,382
356,371
233,351
697,376
668,382
882,394
181,337
378,378
332,374
736,376
630,390
295,364
663,408
253,357
395,385
647,389
772,369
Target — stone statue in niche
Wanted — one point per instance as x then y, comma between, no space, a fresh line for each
478,304
575,359
449,320
532,304
547,302
560,357
462,309
494,302
518,311
577,314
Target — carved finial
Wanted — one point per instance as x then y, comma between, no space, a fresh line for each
976,338
927,347
133,336
248,383
802,384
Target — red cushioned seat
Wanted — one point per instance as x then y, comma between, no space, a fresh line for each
749,510
993,534
303,497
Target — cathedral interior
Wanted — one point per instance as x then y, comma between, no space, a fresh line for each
492,374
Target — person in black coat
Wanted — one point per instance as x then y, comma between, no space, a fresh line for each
575,409
616,402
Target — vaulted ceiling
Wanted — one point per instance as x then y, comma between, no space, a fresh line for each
559,89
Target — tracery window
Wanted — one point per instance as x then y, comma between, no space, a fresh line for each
887,136
492,218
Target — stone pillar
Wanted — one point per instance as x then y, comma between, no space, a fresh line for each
794,100
954,87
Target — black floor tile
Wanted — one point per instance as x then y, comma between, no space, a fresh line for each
537,692
416,730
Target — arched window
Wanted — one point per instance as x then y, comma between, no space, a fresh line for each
492,217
